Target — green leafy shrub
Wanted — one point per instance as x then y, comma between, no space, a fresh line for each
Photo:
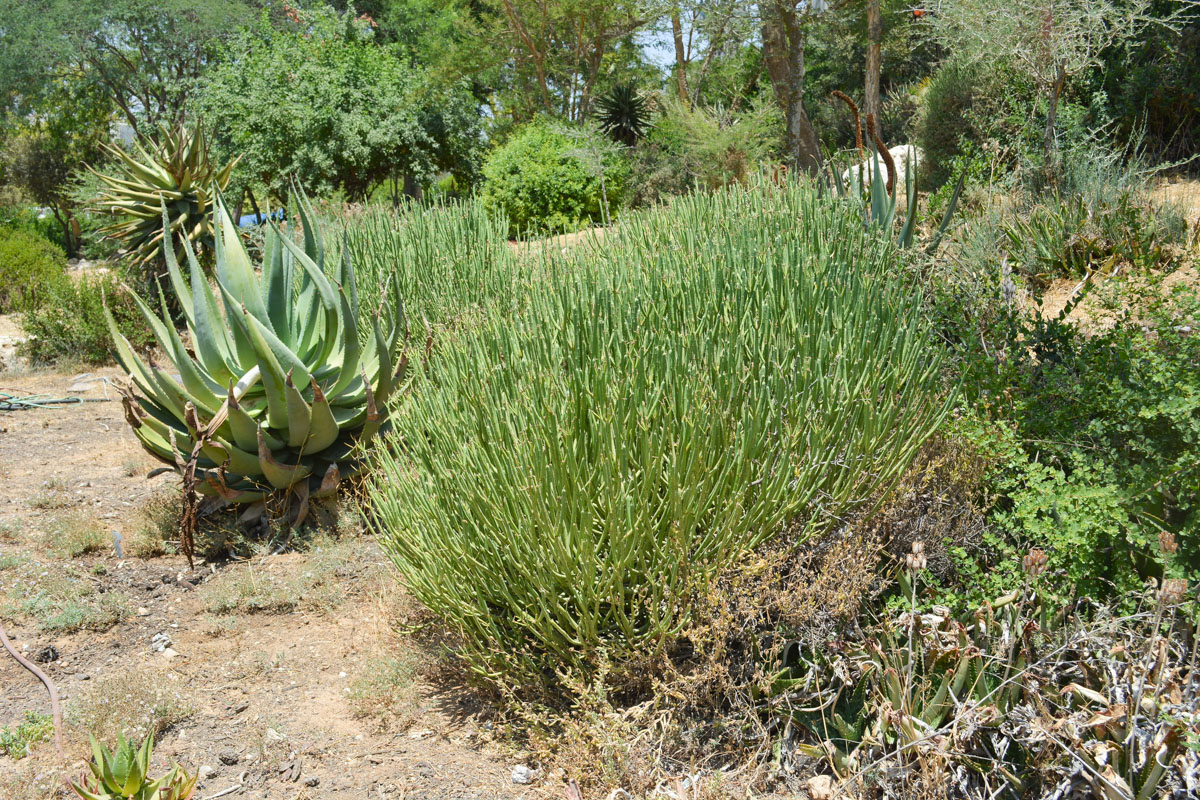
1093,441
963,108
727,369
68,321
536,182
30,267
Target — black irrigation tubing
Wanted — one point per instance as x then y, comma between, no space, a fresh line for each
10,402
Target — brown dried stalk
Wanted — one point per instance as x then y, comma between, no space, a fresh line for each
881,148
858,137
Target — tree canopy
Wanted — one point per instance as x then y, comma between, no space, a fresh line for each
319,98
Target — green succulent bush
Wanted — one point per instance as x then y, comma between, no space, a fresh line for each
536,182
452,262
731,368
29,266
283,388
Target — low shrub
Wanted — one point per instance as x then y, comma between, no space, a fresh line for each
719,374
19,741
30,269
537,182
1091,442
129,703
962,109
68,321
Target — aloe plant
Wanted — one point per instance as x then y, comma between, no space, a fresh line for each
882,210
177,172
283,388
125,773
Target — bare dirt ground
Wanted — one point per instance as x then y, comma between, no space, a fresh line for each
276,676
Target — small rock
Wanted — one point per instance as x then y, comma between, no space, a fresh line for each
275,735
820,787
46,654
240,707
206,772
313,781
77,388
421,734
85,677
228,757
143,611
425,769
522,774
170,653
186,585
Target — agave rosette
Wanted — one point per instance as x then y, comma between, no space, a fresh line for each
282,391
177,172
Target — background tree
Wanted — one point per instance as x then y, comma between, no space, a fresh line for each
785,28
45,149
555,53
147,55
1049,41
874,58
318,98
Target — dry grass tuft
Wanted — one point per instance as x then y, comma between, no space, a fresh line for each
74,534
133,702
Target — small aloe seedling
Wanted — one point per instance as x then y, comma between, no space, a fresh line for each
125,773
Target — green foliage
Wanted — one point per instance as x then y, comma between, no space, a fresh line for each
716,146
1093,441
320,99
452,262
30,267
535,180
723,370
125,773
18,742
964,110
146,56
281,388
67,322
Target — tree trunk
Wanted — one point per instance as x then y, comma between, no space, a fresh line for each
411,187
680,55
783,37
71,246
874,57
1060,80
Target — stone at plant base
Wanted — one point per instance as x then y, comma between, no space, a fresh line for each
903,155
522,774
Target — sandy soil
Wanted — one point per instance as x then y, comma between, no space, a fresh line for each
272,694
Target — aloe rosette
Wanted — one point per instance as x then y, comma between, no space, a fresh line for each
283,389
125,773
177,171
